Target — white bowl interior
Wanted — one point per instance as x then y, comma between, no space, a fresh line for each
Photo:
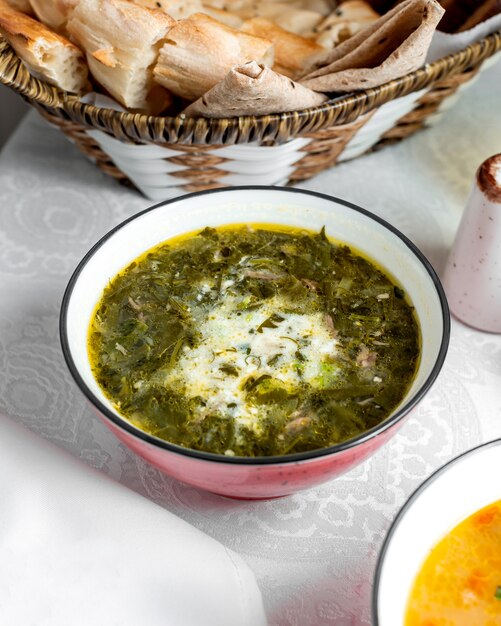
466,485
273,206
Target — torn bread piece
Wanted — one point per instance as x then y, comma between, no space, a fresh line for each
225,17
294,55
48,56
253,89
199,52
395,45
299,21
54,13
21,5
324,7
181,9
121,40
284,14
349,18
177,9
233,6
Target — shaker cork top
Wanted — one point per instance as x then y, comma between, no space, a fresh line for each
489,178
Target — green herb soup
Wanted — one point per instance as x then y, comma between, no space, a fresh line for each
253,341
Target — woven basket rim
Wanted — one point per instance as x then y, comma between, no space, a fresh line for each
281,126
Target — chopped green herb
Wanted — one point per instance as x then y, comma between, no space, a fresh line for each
271,322
229,369
177,349
273,360
399,293
313,330
252,382
322,235
497,593
251,359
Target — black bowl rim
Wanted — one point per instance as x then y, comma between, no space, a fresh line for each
122,423
404,510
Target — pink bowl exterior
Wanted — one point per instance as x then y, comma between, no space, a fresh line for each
253,482
236,478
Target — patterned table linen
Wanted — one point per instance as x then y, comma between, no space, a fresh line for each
313,553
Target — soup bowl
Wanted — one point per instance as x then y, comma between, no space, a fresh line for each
257,477
452,494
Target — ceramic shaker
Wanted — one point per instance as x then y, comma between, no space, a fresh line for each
472,277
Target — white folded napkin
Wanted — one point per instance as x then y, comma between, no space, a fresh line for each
77,549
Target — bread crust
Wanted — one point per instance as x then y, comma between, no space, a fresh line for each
347,20
295,20
225,17
121,41
123,25
17,24
21,5
54,13
45,53
182,9
294,55
200,51
177,9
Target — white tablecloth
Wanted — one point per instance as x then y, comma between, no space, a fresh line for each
313,553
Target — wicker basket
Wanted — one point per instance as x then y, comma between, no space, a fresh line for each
167,156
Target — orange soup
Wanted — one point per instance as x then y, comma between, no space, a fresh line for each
460,581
